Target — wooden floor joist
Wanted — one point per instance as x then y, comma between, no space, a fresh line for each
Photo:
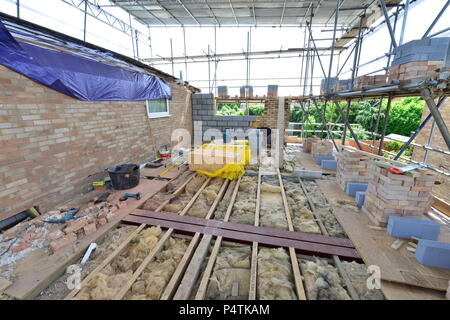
351,290
301,294
175,279
158,247
122,246
212,259
254,259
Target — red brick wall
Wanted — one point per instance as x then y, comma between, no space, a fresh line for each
50,143
437,160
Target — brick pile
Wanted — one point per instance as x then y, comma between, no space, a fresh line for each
322,148
414,70
370,81
407,194
307,145
352,167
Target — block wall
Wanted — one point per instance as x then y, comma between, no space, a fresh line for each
53,146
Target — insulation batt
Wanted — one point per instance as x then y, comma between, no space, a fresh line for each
275,280
302,218
322,281
245,204
177,204
324,210
152,282
112,278
358,276
206,198
232,268
272,213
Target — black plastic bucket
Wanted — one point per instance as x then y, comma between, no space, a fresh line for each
124,176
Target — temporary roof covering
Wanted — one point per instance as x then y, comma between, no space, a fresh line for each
75,70
239,12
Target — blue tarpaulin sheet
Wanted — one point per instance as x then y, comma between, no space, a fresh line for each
75,74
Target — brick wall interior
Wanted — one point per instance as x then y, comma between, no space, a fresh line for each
435,159
53,146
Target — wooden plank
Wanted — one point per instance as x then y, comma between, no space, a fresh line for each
284,234
212,259
301,294
4,283
374,246
193,269
47,269
175,279
337,262
254,259
158,247
441,205
242,237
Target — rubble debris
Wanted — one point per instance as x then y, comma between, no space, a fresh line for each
322,280
231,270
275,280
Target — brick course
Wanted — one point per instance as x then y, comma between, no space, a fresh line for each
50,143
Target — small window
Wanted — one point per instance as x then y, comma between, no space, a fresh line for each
158,108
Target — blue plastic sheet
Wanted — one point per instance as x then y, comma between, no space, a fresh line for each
77,74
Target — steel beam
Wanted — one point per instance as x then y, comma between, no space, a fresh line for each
388,23
427,96
421,126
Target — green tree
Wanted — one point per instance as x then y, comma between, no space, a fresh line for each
405,116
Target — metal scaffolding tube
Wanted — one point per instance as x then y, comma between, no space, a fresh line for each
405,19
427,96
436,19
388,23
347,124
386,119
336,16
325,125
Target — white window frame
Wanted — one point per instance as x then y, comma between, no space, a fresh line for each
153,115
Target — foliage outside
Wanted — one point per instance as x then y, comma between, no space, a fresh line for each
233,109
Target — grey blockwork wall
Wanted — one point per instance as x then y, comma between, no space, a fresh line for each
422,50
203,113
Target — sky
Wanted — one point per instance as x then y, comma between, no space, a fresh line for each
57,15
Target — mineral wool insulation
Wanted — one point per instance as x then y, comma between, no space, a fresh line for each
107,283
271,212
322,281
151,283
358,277
324,210
245,203
177,204
230,279
275,280
206,198
302,218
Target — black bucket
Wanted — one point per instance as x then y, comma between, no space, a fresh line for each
124,176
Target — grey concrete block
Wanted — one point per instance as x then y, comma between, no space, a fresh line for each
196,117
211,123
232,123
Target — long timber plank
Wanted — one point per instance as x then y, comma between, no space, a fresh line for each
278,233
398,266
299,246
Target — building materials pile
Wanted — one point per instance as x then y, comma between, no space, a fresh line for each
322,148
352,167
307,145
370,81
407,194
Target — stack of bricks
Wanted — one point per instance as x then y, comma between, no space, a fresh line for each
370,81
328,85
322,148
415,70
352,167
418,59
307,145
344,85
405,195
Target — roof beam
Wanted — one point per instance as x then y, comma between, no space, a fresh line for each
188,11
234,13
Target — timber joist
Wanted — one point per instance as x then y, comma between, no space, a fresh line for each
207,237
